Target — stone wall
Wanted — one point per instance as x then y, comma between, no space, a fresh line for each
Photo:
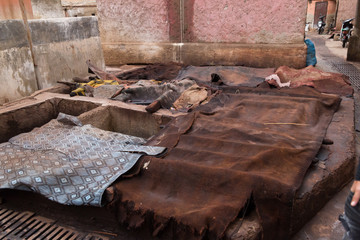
61,48
63,8
203,31
77,8
16,65
47,9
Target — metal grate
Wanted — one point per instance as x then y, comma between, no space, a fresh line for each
26,225
349,70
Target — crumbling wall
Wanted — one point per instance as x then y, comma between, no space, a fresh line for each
147,31
63,8
62,46
47,9
16,65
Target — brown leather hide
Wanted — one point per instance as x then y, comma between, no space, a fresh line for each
256,142
326,82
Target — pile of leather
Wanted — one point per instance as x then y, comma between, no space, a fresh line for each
249,145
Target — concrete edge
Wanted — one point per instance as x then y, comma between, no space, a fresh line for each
251,55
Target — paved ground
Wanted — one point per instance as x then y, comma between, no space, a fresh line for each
332,58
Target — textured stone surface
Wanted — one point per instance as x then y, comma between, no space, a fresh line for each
251,55
12,35
158,31
47,9
244,21
123,53
17,73
62,46
64,60
65,29
134,21
16,65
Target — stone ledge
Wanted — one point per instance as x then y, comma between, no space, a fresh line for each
251,55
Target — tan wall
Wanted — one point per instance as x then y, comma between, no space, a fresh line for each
147,31
346,10
10,9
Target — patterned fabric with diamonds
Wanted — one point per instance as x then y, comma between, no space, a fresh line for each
69,164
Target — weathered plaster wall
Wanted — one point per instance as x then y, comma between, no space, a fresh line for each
346,10
10,9
77,8
134,21
47,9
145,31
62,46
63,8
16,65
244,21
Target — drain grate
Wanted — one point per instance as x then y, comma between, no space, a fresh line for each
349,70
26,225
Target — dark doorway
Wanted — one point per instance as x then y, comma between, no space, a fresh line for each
320,10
